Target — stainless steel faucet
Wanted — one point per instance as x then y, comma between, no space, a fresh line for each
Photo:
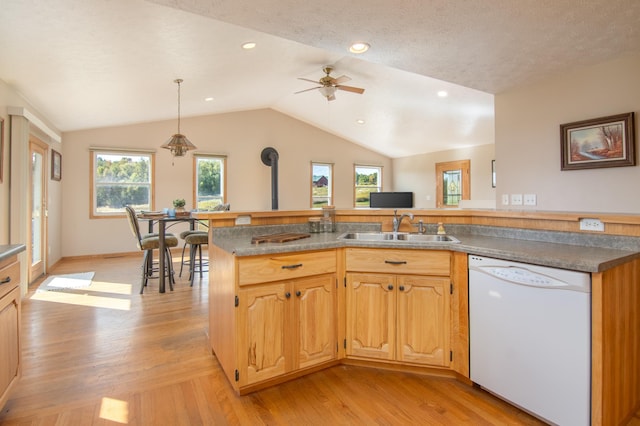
398,220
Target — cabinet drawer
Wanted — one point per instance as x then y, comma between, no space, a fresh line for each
399,261
283,267
9,278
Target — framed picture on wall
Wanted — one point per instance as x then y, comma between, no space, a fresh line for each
56,165
493,173
599,142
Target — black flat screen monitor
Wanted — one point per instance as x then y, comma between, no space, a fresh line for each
391,199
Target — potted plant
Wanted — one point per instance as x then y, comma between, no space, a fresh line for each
178,204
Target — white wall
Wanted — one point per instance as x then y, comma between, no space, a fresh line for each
418,173
241,136
528,123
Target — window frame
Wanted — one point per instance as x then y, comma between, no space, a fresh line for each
330,184
93,154
223,185
356,186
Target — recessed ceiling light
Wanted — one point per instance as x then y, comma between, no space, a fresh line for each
209,99
249,45
443,93
359,47
360,121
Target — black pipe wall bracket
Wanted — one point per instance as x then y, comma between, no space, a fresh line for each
269,157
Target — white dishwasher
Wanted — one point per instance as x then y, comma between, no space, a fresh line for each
530,337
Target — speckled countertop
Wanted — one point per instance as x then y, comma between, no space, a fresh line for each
9,250
579,252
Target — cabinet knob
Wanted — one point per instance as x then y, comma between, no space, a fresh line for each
298,293
401,288
287,295
390,286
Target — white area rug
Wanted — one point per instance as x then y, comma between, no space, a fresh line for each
68,281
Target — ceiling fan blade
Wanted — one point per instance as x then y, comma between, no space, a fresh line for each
306,90
310,81
341,79
351,89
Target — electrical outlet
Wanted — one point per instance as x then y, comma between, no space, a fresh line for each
243,220
516,199
505,199
530,199
591,225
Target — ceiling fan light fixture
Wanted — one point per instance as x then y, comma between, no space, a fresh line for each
359,47
327,91
178,144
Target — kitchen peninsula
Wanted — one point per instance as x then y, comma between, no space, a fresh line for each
286,287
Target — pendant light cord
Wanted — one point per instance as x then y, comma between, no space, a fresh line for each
179,80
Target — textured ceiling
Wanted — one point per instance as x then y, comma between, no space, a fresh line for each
95,63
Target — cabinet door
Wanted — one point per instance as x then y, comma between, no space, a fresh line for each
263,314
9,342
315,316
423,320
371,315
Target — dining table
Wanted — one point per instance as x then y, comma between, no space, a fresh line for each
164,222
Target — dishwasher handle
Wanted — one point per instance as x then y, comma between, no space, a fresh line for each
518,275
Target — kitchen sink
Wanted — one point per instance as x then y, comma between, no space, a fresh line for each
398,237
369,236
428,238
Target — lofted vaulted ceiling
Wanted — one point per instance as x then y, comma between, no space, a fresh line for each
95,63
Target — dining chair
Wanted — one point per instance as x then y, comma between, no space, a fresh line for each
199,239
148,243
195,241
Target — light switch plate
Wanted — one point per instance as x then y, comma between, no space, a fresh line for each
505,199
516,199
530,199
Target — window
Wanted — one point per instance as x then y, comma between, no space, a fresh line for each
368,179
209,181
321,185
119,179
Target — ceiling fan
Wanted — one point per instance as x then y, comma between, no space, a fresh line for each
328,85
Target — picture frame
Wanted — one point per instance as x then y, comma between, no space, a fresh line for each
493,173
56,165
1,149
598,142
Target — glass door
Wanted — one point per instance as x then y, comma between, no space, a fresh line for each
37,208
453,183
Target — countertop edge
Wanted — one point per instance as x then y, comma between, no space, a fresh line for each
9,250
558,255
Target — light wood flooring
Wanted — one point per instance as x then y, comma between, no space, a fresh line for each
106,355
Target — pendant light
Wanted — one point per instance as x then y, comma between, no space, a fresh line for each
178,143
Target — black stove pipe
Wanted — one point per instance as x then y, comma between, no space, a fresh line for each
269,157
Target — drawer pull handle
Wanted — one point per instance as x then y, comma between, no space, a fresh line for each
396,262
5,280
297,265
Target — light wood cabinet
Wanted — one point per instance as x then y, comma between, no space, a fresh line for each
397,315
284,327
284,318
10,357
